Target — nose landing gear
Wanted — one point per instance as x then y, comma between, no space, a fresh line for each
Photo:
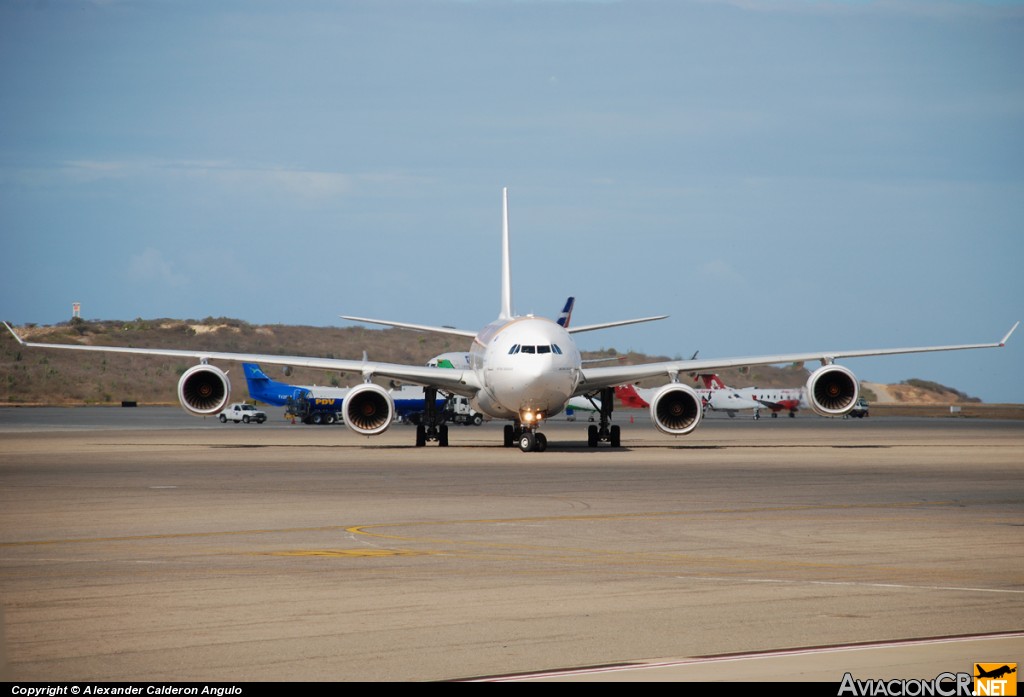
528,440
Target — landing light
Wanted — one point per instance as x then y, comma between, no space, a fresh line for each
531,416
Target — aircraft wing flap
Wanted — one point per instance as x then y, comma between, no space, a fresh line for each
609,376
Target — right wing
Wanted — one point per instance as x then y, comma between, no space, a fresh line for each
457,381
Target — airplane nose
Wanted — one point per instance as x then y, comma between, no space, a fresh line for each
544,389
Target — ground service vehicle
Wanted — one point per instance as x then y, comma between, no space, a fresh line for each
310,409
860,409
240,412
458,411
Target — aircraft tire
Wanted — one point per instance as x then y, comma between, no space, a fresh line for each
442,436
421,435
592,436
527,442
542,443
616,437
510,435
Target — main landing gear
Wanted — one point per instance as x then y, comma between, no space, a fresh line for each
528,440
605,432
431,427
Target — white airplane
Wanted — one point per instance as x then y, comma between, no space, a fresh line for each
523,369
720,397
717,396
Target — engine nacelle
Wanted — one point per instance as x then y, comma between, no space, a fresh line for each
832,390
204,390
676,409
369,409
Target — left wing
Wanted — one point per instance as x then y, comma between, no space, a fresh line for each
597,378
456,381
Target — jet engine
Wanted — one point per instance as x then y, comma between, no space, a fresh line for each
676,409
368,409
832,390
204,390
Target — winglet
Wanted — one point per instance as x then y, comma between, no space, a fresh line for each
1001,343
22,341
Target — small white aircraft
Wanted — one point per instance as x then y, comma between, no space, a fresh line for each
522,369
720,397
717,396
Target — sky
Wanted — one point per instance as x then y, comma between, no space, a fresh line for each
777,176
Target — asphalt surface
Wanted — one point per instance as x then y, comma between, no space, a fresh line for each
143,544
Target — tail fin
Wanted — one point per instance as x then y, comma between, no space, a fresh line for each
506,262
566,316
254,374
629,397
712,381
263,389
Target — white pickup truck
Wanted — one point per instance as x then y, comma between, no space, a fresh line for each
245,413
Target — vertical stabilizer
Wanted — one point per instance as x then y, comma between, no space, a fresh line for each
506,265
566,316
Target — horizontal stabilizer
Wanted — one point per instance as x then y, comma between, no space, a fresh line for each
418,327
606,325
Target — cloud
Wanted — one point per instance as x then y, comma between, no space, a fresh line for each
718,273
150,267
261,180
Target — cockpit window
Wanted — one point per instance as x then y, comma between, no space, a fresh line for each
543,348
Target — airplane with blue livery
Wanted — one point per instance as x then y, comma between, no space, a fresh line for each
315,404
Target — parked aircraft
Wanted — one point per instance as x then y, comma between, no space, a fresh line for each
523,369
717,396
408,399
278,394
720,397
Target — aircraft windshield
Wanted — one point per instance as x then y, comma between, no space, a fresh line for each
543,348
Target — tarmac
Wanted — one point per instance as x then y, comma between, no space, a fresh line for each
146,545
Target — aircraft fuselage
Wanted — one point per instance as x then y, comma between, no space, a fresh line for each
528,367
